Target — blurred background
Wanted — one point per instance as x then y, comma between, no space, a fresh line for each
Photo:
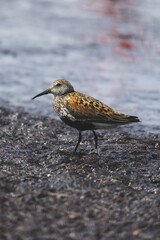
108,49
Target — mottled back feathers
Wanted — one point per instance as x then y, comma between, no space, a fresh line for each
85,108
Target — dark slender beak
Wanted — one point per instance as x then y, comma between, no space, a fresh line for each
42,93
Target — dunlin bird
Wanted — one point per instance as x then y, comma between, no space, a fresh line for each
83,112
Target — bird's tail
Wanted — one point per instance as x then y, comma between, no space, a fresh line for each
120,118
128,118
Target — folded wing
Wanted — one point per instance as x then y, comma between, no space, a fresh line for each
85,108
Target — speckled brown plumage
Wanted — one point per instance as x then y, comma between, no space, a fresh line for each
83,112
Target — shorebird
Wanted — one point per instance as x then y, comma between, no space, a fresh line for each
83,112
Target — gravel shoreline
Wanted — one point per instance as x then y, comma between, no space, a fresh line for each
49,192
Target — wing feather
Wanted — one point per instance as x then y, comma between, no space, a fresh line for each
84,108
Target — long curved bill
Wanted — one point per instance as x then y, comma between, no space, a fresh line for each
42,93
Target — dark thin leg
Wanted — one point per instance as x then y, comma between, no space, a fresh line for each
79,140
95,139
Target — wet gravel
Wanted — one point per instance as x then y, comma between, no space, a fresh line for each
48,192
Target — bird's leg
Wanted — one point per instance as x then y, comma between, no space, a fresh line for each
79,140
95,139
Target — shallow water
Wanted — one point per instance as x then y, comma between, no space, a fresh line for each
109,50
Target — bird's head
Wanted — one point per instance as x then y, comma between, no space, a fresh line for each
57,88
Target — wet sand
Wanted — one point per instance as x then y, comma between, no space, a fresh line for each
48,192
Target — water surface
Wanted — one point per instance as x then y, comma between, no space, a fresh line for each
108,49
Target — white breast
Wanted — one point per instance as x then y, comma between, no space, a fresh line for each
61,110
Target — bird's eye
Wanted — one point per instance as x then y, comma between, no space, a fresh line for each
58,84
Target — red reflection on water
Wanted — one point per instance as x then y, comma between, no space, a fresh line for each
108,7
127,44
115,35
122,53
104,39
